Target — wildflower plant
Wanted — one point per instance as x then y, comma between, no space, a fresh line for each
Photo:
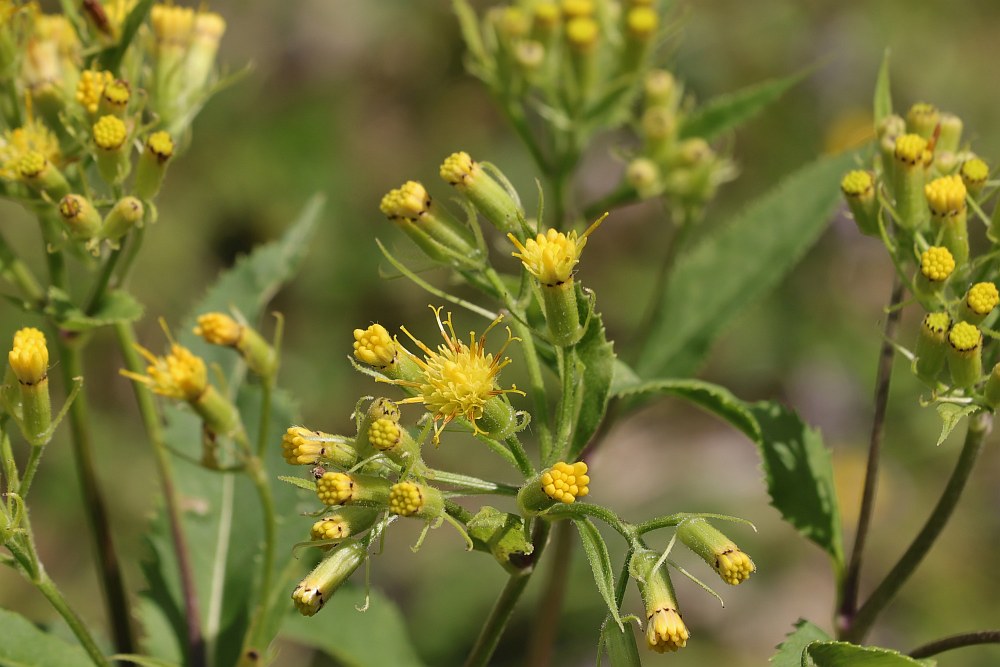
99,103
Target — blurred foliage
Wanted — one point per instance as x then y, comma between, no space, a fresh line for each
348,96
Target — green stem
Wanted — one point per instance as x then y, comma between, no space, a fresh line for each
195,648
18,273
567,402
55,598
34,458
503,608
267,392
625,529
103,280
668,521
520,456
71,363
979,427
546,622
956,641
252,650
849,584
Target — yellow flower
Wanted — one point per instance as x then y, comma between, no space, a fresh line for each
982,298
566,482
32,137
90,86
665,630
180,374
552,256
946,195
374,346
456,379
29,356
937,263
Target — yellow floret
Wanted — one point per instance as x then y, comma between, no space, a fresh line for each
117,93
982,298
90,86
577,8
857,183
110,133
29,356
734,566
161,145
566,482
218,329
459,169
335,488
409,202
946,195
642,22
911,149
665,630
384,434
374,346
31,164
405,499
936,325
300,446
937,263
975,172
172,24
965,337
582,32
330,528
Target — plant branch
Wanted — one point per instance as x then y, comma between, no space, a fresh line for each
503,608
546,622
195,648
956,641
979,428
851,580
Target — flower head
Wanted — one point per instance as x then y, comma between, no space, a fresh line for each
974,173
90,86
665,630
911,149
218,329
457,379
335,488
180,374
33,136
29,356
110,133
330,528
566,482
552,256
982,298
857,183
946,195
937,263
160,145
384,434
407,202
374,346
300,446
965,337
405,499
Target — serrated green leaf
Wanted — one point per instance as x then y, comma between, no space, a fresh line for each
595,367
622,377
731,110
799,475
951,416
790,651
883,91
713,398
116,306
600,563
373,638
24,645
739,264
300,482
844,654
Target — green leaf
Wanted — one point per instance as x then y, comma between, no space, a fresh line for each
799,476
374,638
738,265
600,563
790,651
111,57
502,532
843,654
116,306
713,398
883,92
951,415
620,644
300,482
731,110
622,378
595,367
24,645
468,23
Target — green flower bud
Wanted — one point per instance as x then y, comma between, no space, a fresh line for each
489,197
442,237
936,265
946,200
416,500
41,175
922,118
979,302
965,352
124,215
112,149
974,173
337,488
562,483
950,136
314,591
932,346
301,446
115,98
859,191
80,217
220,329
910,161
152,165
732,565
29,359
665,629
344,523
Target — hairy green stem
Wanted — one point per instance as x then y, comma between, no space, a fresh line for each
625,529
103,281
956,641
34,458
546,622
521,456
195,645
849,583
109,567
503,608
979,428
55,598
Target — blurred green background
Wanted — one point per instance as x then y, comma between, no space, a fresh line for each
351,98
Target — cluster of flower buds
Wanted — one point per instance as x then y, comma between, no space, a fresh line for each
671,163
924,188
75,110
